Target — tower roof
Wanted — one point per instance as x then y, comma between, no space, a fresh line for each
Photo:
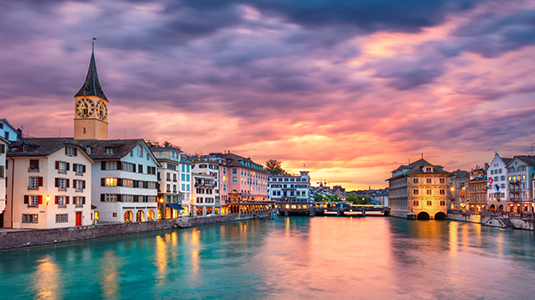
91,85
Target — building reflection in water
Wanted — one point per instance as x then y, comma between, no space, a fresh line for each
195,249
47,281
160,260
109,281
453,231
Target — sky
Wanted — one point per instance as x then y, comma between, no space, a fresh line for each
347,90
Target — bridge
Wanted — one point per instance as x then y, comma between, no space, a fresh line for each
332,208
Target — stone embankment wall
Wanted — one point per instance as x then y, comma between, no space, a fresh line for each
494,221
23,238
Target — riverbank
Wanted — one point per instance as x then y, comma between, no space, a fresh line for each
494,220
26,238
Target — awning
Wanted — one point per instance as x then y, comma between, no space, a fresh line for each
175,206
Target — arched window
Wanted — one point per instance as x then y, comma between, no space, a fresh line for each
150,215
140,216
128,216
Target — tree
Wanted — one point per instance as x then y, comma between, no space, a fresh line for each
273,166
318,197
333,198
351,197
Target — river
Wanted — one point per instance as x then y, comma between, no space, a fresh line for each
290,258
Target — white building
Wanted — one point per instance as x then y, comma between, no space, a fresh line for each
8,132
172,199
203,194
497,191
3,196
290,188
48,184
520,173
125,180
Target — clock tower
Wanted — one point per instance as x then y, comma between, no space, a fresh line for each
91,107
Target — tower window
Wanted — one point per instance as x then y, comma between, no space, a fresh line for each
84,130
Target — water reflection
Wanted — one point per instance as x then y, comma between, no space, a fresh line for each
47,279
298,257
109,281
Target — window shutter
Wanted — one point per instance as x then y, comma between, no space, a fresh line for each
40,197
40,181
66,199
74,183
83,200
75,152
2,148
57,165
26,199
119,165
102,197
67,183
83,184
57,182
102,181
103,165
83,168
68,167
119,198
74,166
66,151
56,199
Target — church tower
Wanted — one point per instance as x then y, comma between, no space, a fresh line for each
91,107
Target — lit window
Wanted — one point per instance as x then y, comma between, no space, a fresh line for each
111,181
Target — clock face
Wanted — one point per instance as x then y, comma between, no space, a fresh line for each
85,108
102,110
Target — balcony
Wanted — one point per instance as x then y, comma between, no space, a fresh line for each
515,199
205,184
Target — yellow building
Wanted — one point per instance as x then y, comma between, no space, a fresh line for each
419,190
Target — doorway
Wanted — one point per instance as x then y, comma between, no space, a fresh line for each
78,218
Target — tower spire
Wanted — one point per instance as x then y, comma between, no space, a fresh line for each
91,86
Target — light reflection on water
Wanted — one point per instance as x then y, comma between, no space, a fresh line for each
291,258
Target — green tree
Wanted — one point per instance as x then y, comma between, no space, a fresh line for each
333,198
318,197
364,200
273,166
350,197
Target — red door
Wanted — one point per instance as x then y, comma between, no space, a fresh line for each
78,219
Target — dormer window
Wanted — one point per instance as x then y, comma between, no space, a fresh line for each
109,150
428,169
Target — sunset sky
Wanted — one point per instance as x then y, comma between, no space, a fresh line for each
352,88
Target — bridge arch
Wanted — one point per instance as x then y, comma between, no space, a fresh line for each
423,216
440,216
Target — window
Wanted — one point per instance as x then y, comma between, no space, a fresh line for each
442,180
60,201
79,185
234,179
187,187
27,218
428,169
108,197
109,165
62,218
415,192
70,151
34,165
234,171
187,177
35,183
78,201
442,203
79,169
33,200
415,203
415,180
429,192
111,181
443,192
168,176
62,183
139,151
429,180
429,203
61,166
130,167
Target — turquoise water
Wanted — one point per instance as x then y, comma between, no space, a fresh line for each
291,258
